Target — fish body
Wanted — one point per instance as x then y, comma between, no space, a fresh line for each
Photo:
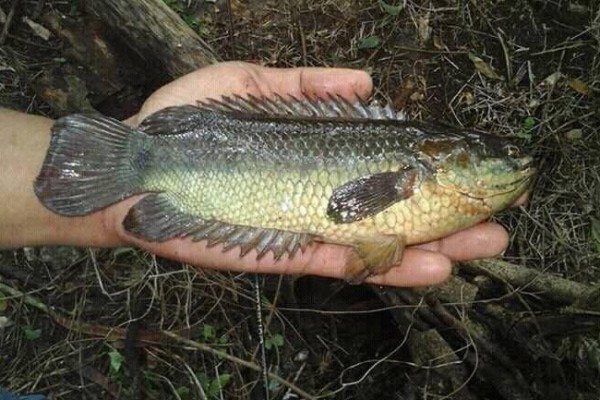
275,175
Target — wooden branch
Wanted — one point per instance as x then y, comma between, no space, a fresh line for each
496,366
444,370
155,32
455,291
549,286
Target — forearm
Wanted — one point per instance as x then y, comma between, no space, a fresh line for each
24,221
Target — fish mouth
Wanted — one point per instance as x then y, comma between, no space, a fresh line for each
523,165
521,184
525,172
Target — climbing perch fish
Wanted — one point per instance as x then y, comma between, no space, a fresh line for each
274,175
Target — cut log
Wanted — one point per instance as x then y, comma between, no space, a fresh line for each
155,32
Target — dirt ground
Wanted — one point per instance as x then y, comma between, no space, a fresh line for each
85,323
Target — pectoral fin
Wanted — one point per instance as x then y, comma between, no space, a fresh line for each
369,195
374,255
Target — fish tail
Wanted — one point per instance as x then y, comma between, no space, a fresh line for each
88,165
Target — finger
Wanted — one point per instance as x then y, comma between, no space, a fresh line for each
484,240
419,268
318,82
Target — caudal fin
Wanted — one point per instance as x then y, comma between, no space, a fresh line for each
88,165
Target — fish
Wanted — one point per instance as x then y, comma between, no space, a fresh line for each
277,174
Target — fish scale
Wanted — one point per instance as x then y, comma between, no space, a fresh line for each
275,175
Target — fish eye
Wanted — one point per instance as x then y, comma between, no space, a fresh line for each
512,150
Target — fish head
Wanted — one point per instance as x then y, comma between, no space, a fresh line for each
480,167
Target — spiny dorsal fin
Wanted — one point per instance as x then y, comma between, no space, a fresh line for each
172,120
333,106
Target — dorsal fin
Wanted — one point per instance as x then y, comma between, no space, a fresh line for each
172,120
333,106
180,119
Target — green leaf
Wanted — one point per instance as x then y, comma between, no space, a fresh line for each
116,360
208,331
222,339
191,21
174,5
523,135
203,379
184,392
391,9
370,42
218,384
274,341
31,334
529,123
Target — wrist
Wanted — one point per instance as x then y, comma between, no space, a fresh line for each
24,221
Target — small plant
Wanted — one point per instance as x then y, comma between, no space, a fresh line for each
116,361
31,333
274,341
209,334
391,9
370,42
213,387
527,127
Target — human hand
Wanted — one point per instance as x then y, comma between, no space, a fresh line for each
425,264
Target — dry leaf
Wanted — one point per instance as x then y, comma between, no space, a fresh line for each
552,79
38,29
438,43
5,322
574,134
403,94
424,30
579,86
468,98
483,67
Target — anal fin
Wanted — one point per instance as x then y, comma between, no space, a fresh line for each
250,238
374,255
157,218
